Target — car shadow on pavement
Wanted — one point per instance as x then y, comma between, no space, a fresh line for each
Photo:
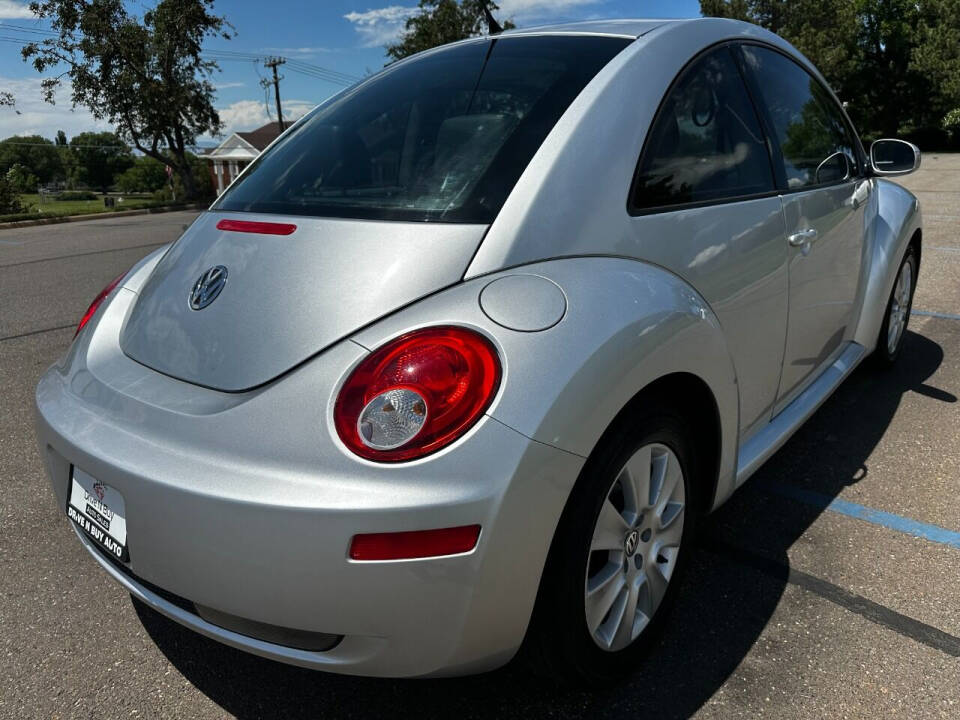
725,605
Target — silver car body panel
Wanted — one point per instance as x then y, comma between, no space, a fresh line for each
824,277
287,296
604,351
220,485
892,221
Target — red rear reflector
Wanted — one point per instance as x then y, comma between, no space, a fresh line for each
416,544
263,228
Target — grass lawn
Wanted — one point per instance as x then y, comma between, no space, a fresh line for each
54,208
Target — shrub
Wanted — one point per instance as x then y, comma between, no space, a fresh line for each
951,123
9,199
77,195
21,179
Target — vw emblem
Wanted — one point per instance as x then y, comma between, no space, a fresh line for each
207,287
630,544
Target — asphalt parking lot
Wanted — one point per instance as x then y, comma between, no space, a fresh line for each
828,587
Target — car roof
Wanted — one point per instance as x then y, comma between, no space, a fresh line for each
621,28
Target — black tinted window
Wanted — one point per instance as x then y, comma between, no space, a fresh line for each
706,142
817,148
442,137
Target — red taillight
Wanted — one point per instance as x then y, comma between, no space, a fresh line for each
417,394
263,228
97,302
416,544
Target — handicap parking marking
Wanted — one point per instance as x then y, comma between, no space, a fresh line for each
908,526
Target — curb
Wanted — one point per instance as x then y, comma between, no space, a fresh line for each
100,216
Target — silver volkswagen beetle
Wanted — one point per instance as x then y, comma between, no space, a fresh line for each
456,365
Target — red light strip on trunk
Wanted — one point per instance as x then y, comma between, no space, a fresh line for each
262,228
416,544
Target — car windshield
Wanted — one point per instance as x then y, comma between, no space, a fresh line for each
443,137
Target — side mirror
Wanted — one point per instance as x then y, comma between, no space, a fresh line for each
894,157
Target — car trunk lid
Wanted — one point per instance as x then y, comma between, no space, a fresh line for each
286,296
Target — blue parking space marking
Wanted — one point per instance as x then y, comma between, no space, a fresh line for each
933,533
930,313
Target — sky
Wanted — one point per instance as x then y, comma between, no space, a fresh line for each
326,44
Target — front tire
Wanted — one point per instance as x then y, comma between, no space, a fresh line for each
897,315
619,552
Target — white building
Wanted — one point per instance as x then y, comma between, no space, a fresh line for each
235,153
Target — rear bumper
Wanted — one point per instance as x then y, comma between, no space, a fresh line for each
246,504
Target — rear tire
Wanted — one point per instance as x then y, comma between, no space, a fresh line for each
897,315
611,580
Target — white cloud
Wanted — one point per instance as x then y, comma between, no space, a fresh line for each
33,116
381,26
224,86
251,114
11,10
385,25
301,51
520,10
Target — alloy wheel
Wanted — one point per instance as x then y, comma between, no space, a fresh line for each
899,307
635,545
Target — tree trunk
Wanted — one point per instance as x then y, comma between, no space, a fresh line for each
185,171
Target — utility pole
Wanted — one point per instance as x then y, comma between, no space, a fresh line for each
273,63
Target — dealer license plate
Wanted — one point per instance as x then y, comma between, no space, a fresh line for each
99,511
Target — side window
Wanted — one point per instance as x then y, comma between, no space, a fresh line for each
705,143
816,145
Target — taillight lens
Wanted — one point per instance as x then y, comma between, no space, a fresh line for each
417,393
97,302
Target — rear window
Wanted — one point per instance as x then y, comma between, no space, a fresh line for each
439,138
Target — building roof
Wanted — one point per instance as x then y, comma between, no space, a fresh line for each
262,136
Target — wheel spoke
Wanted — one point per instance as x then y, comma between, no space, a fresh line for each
670,534
672,477
658,476
610,530
635,481
602,590
625,630
656,581
606,633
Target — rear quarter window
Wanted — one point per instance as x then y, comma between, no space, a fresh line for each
706,143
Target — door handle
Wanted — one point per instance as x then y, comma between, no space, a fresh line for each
804,237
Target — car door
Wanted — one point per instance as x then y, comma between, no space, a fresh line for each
705,205
823,199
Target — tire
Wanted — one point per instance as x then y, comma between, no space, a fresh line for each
559,643
899,304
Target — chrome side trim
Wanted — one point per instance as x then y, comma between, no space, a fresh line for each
767,441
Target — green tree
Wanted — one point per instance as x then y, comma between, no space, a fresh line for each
443,21
100,157
145,175
145,75
896,62
21,179
9,199
35,153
